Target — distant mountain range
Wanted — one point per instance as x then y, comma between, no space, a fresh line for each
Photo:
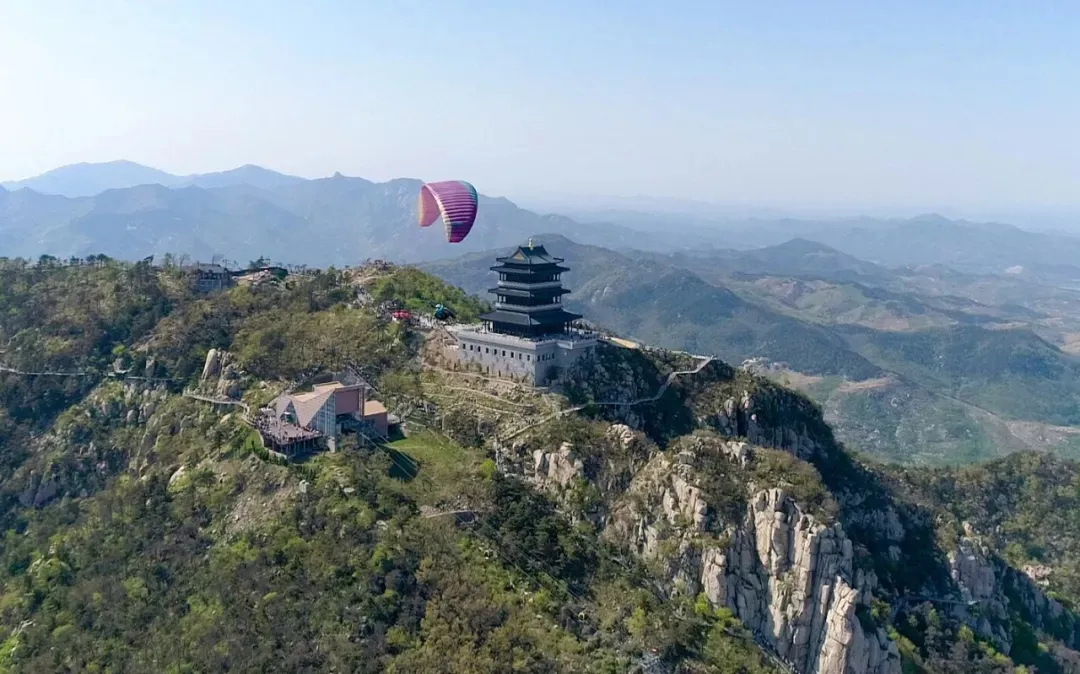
87,180
251,212
128,210
927,239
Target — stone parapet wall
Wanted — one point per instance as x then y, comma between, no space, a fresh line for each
509,356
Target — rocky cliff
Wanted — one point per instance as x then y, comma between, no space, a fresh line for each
701,518
990,591
121,426
789,577
766,515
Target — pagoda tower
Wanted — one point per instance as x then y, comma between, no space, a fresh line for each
529,295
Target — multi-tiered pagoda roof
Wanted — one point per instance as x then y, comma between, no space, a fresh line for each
529,295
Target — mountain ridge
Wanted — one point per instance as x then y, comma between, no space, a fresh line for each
336,220
381,214
715,526
87,179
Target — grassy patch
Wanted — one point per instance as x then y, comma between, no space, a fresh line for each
440,467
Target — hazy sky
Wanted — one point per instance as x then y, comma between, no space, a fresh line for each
958,103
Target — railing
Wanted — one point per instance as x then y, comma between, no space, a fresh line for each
571,335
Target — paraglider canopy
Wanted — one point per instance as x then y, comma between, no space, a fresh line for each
455,201
442,312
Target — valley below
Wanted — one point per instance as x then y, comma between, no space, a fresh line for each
926,367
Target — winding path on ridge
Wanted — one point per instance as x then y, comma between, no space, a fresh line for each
115,374
704,360
218,401
81,373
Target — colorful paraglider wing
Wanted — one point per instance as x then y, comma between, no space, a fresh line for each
455,200
429,206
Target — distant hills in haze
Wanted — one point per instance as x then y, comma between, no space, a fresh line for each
87,180
928,239
128,210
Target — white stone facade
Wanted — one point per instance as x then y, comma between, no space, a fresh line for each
537,361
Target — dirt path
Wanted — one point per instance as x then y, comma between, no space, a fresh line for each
494,380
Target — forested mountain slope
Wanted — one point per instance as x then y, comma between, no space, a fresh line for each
719,528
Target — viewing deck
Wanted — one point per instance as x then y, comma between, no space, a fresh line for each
570,336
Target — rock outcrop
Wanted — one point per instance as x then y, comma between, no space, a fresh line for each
221,377
607,462
791,578
990,589
75,456
39,490
798,569
769,417
212,365
973,572
734,403
556,468
786,575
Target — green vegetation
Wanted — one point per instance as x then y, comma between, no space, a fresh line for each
69,319
420,292
275,344
1027,505
1010,372
907,424
143,531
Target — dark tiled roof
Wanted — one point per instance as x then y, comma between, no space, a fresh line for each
530,255
546,318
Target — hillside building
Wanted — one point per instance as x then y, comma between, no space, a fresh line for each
210,277
304,421
529,335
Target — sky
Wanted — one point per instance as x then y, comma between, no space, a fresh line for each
865,105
